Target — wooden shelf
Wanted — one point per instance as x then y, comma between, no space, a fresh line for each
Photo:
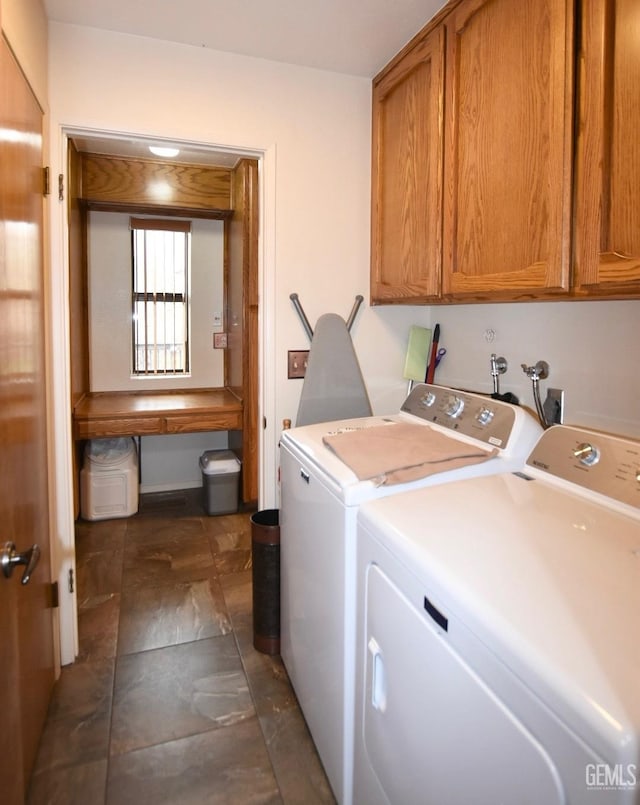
107,414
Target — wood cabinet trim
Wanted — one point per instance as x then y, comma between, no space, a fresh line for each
155,209
141,183
105,414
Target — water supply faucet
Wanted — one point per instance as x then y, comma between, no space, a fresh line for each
498,367
538,372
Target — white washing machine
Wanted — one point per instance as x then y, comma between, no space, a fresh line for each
320,497
498,647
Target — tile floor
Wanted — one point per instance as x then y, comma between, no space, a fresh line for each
168,701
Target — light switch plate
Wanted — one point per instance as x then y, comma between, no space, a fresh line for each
219,340
297,363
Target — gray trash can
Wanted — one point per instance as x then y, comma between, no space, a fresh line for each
220,481
265,556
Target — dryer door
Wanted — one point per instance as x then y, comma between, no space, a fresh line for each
428,730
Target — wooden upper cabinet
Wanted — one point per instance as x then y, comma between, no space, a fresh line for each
406,238
508,101
607,203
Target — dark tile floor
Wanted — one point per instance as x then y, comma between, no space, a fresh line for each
168,701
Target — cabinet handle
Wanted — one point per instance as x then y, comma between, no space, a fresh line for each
305,476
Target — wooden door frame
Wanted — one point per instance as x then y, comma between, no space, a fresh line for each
241,259
268,430
238,195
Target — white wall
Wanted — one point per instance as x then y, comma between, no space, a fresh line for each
173,461
167,462
25,26
109,273
591,349
312,130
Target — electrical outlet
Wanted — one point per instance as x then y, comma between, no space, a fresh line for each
554,407
297,363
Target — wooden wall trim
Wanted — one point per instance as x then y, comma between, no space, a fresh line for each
141,183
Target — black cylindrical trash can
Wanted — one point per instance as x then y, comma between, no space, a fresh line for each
265,555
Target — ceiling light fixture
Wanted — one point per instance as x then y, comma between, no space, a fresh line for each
163,151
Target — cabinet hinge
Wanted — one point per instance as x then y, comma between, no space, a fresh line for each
71,580
46,188
55,598
61,187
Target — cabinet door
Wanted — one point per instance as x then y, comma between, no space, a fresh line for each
406,238
607,245
507,149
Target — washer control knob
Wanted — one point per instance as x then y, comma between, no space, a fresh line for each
587,454
484,416
454,406
428,399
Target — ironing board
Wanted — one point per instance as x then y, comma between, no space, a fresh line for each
333,386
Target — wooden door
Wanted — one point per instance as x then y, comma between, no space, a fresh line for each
241,318
26,627
508,149
607,219
406,215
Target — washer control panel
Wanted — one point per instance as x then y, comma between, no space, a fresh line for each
482,418
599,462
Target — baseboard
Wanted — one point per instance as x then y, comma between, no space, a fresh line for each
146,488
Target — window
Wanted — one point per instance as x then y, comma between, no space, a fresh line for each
160,296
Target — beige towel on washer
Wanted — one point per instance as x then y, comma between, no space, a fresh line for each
400,452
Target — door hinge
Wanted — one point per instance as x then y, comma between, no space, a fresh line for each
61,187
55,598
46,187
71,580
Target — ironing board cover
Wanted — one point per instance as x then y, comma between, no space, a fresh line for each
400,452
333,386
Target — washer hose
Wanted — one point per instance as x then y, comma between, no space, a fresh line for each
536,373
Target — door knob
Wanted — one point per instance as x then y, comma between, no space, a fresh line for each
9,558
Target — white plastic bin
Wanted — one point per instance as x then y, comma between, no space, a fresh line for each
220,481
109,479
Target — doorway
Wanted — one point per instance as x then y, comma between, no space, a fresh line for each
74,246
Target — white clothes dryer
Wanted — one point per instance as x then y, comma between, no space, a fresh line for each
320,498
498,637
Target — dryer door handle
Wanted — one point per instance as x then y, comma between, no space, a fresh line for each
378,677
